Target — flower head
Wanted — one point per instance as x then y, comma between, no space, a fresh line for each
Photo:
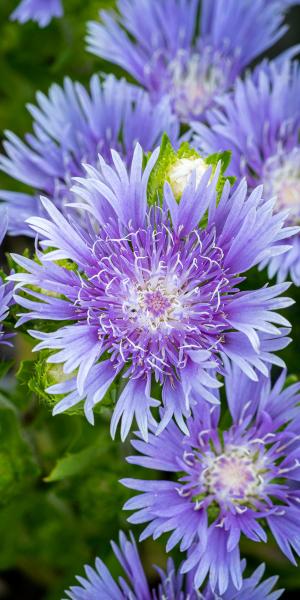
151,292
225,482
41,11
71,126
99,583
187,50
260,123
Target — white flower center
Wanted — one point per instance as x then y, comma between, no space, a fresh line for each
235,475
181,171
282,179
154,305
195,81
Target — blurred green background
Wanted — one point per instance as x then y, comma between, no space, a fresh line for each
60,500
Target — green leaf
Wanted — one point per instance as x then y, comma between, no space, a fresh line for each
5,366
74,464
224,157
13,265
18,466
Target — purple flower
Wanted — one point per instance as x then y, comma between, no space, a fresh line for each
172,51
6,289
260,123
225,483
41,11
100,585
71,126
152,292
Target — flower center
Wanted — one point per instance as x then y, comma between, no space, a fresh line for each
194,82
235,475
157,297
155,305
282,178
181,172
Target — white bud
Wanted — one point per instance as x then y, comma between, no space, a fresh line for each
181,171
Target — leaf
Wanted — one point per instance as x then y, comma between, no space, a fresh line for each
224,157
13,265
74,464
5,366
18,466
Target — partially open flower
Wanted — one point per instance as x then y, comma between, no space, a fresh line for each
99,584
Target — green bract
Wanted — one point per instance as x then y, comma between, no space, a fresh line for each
169,159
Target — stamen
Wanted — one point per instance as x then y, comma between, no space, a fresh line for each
282,179
234,476
288,469
287,444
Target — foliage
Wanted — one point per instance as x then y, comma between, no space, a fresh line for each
59,489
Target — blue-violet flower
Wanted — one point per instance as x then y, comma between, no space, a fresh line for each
100,585
260,123
151,292
41,11
71,126
187,50
225,482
